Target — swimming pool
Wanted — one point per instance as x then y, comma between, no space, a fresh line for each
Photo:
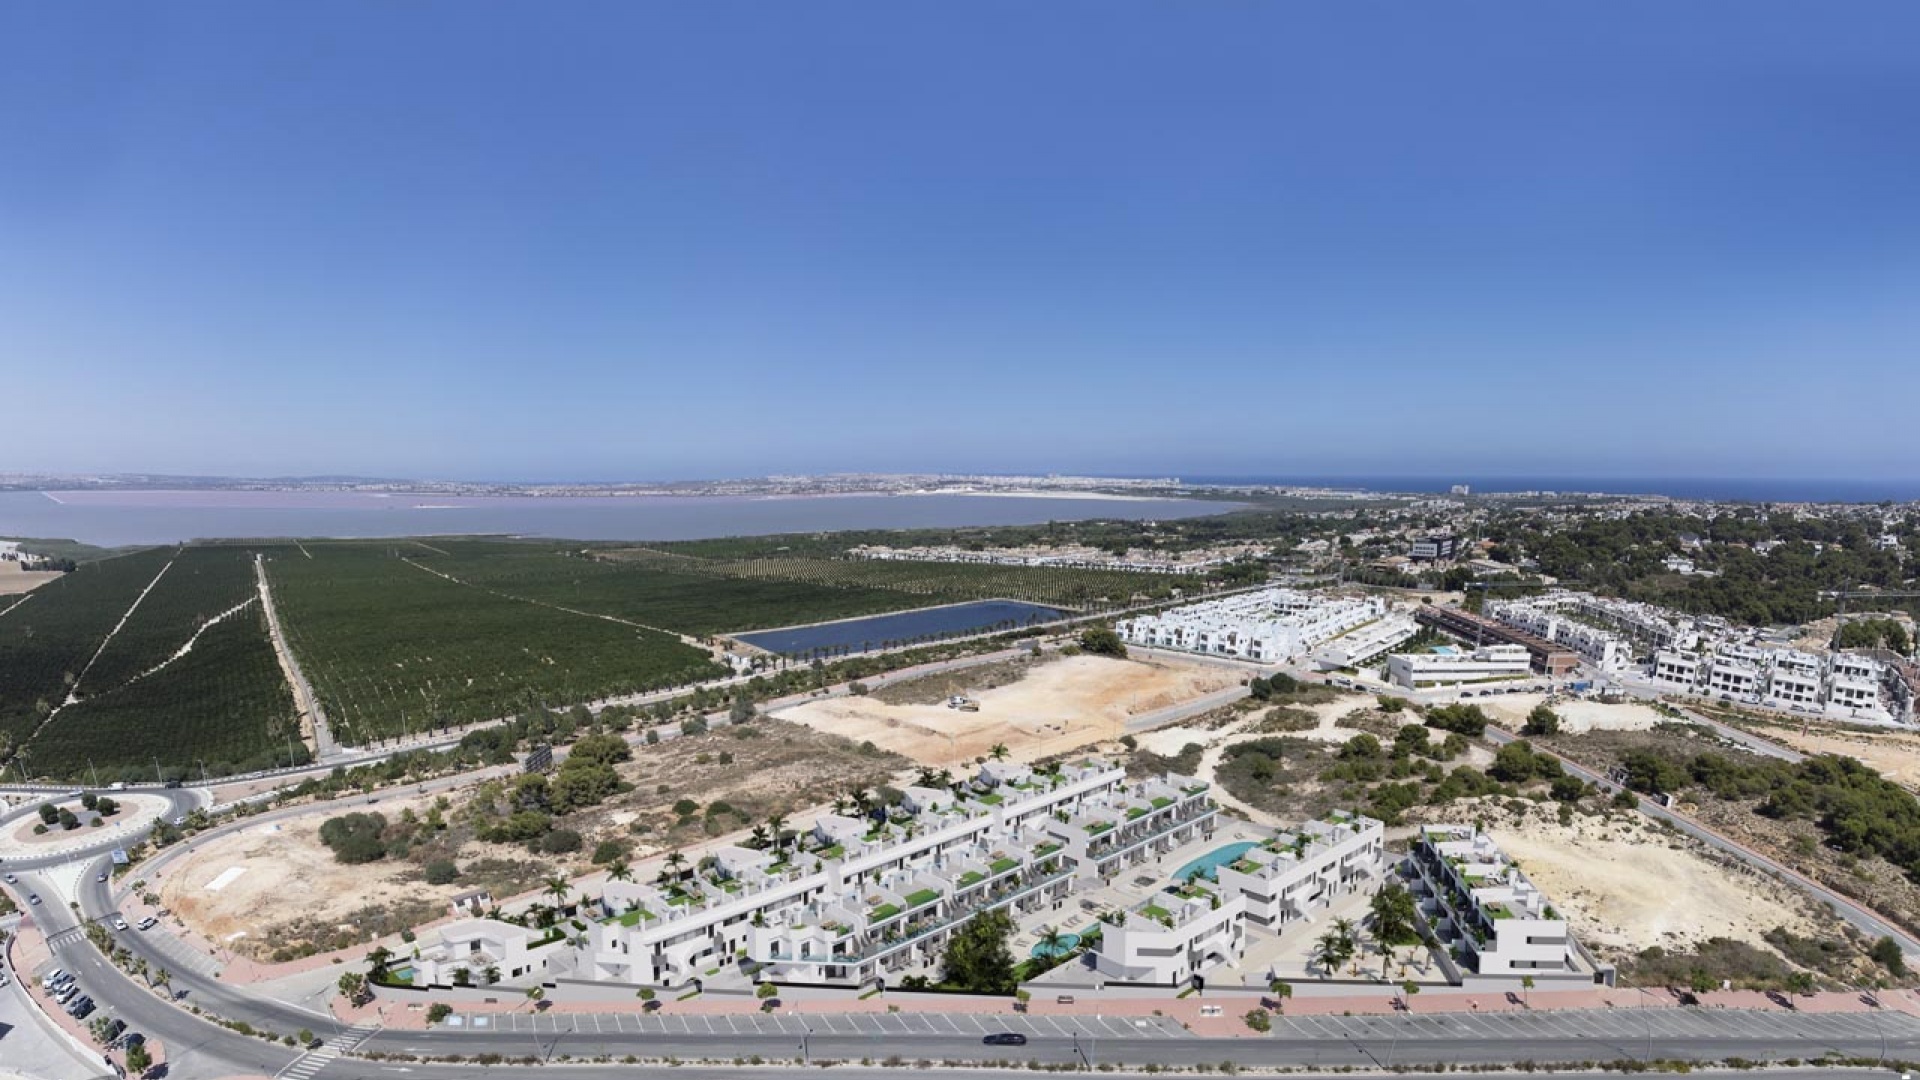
1213,860
1068,943
1444,650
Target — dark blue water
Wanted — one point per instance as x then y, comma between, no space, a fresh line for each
861,635
1720,489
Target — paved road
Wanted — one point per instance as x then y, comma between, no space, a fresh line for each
1861,918
201,1049
195,1047
1325,1042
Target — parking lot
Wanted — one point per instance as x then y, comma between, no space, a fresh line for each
876,1025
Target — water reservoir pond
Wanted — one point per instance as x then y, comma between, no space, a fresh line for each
923,624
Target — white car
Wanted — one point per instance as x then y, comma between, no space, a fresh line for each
147,923
119,923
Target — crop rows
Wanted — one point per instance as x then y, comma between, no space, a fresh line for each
391,648
224,703
1060,587
45,644
202,583
694,597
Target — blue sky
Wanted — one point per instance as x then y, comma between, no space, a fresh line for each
650,240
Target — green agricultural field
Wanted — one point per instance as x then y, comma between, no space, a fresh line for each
683,596
200,583
224,703
398,636
46,641
391,648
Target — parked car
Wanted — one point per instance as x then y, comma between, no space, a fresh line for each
1005,1038
147,923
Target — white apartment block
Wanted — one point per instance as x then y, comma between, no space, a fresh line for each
1607,633
1491,920
1268,626
1366,643
856,898
1488,663
1193,926
1295,872
1840,685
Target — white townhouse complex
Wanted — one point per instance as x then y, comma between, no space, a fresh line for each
1572,620
859,896
1491,921
1488,663
1269,626
1838,685
1198,924
1366,643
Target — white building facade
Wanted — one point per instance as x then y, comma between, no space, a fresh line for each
1268,626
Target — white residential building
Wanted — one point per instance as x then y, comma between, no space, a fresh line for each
1839,685
858,897
1289,876
1353,649
1491,920
1488,663
1268,626
1195,925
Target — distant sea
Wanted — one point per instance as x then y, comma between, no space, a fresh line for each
119,518
1718,489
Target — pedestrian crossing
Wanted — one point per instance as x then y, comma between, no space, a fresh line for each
306,1065
66,937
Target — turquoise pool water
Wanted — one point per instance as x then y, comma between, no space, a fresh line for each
1215,859
1068,942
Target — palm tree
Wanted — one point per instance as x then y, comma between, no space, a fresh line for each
559,888
377,961
1526,990
1052,942
676,861
999,752
777,825
1281,991
618,870
1326,953
162,977
757,839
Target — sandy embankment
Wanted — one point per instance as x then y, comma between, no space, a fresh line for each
1626,885
1577,716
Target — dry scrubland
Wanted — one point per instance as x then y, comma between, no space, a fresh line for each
777,766
1053,708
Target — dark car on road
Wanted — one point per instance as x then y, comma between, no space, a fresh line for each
1005,1038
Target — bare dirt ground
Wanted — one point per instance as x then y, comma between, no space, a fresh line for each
1576,716
1626,884
273,873
775,766
1055,708
14,580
